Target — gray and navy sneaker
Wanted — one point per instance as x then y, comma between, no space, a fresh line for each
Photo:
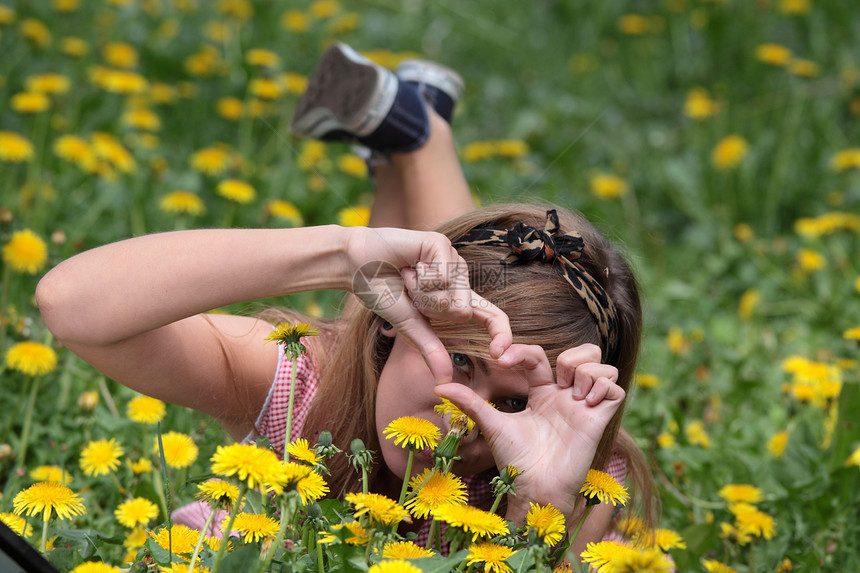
350,98
441,86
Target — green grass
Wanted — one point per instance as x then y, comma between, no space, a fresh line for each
620,113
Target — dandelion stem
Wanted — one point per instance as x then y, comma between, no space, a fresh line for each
320,561
406,477
44,543
288,510
288,430
364,485
496,503
4,293
28,420
200,539
228,528
573,535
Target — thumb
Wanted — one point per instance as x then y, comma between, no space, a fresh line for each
489,420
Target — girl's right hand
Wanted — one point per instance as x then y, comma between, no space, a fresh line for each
408,277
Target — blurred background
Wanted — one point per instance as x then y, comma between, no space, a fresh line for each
717,140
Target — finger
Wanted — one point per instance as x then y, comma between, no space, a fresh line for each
604,390
443,303
568,360
496,322
531,360
487,418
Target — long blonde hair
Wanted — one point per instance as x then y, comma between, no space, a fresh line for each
543,309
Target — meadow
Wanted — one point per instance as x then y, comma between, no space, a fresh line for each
718,140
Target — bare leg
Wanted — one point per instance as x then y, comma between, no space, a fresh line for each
389,207
428,181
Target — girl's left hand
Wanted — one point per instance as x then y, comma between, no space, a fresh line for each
553,441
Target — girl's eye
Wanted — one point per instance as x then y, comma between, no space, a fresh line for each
516,404
461,361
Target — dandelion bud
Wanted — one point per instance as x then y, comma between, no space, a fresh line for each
324,446
362,458
87,401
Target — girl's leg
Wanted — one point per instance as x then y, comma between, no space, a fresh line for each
389,207
433,187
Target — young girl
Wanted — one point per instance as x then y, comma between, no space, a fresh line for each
526,307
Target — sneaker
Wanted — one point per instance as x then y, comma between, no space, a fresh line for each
350,98
441,86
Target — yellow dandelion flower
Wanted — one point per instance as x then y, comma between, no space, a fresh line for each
222,494
810,260
750,520
120,55
743,232
603,487
253,526
36,32
48,498
140,466
295,21
345,23
324,8
7,15
699,104
605,553
712,566
311,487
294,83
261,57
773,54
76,150
181,538
647,380
286,211
118,81
643,561
631,526
491,556
378,508
180,567
100,457
803,68
25,252
15,148
794,6
511,148
235,190
163,93
666,440
405,550
107,147
852,333
75,47
146,410
352,164
748,303
448,408
357,216
239,9
141,118
182,203
359,535
291,337
696,434
266,88
289,474
606,186
95,567
478,151
251,464
729,152
663,539
633,24
432,489
211,160
854,458
846,159
31,358
230,108
393,566
546,521
134,512
414,433
471,520
29,102
17,524
301,450
51,473
180,451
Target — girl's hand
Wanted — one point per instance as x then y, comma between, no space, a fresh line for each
553,441
408,277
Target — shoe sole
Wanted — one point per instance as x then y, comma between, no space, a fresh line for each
346,92
432,74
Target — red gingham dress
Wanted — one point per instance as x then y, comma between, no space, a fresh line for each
272,421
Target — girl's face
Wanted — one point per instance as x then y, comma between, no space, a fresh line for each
406,389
